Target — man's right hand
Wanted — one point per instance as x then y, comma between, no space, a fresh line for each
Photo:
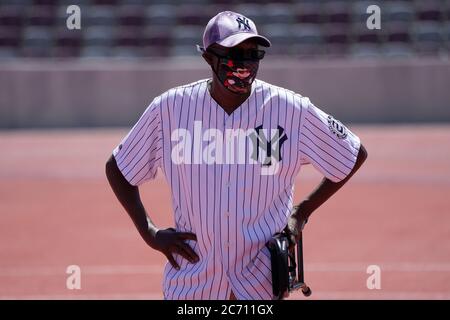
169,241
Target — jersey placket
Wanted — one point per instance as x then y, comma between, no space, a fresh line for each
226,240
228,185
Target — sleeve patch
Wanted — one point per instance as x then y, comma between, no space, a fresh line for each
337,128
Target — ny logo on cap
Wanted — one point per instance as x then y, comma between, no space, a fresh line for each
243,22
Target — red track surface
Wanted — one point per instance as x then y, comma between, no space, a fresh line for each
56,210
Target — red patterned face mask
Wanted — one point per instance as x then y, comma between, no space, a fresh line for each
237,76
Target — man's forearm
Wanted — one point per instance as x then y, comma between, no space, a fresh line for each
130,199
327,188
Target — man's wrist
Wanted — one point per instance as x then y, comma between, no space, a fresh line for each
149,232
302,211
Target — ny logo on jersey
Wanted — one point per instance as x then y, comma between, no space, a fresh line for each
271,145
213,146
243,23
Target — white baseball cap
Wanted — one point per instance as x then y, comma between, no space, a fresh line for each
228,29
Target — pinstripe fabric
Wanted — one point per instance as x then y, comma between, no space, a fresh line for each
332,156
230,204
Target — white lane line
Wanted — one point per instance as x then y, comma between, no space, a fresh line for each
150,269
96,175
373,295
99,296
157,269
317,295
385,266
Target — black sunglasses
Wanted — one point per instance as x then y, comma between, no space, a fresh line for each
238,54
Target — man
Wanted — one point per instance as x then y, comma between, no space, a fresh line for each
230,148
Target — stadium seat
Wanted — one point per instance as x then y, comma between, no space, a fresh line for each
37,36
194,2
304,28
364,51
45,2
399,11
140,3
308,13
397,50
183,50
151,51
98,36
337,12
189,14
280,37
187,35
307,34
127,37
17,2
40,15
10,37
81,3
37,42
308,41
131,15
126,52
145,3
99,16
364,35
278,34
430,10
307,51
428,37
12,16
7,53
397,32
229,2
278,13
446,10
104,2
156,36
95,52
337,38
68,42
332,50
160,15
337,34
446,29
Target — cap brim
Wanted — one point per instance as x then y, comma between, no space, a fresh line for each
237,38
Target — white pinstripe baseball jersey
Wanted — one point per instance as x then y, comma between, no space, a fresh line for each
231,178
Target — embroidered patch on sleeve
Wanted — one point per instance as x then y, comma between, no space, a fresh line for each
337,128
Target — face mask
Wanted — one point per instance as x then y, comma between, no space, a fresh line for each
237,75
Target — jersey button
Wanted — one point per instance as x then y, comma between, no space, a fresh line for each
227,214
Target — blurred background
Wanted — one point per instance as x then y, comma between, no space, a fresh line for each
127,52
67,97
149,29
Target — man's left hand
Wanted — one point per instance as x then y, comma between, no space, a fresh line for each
295,225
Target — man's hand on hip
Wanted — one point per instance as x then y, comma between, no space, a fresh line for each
169,241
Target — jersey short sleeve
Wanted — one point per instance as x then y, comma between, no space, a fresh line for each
139,154
327,144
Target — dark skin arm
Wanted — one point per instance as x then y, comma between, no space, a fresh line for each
316,198
167,241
